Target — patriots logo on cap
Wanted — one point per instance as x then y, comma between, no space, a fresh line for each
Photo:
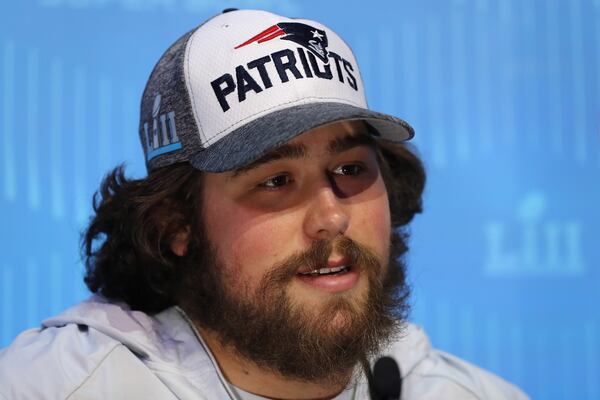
315,40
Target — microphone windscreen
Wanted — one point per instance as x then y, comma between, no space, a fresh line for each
386,378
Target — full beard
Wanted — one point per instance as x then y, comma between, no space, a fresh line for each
313,344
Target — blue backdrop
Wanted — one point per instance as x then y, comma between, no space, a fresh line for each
504,96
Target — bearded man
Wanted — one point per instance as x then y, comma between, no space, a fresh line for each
261,258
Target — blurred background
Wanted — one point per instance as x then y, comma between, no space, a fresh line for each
505,99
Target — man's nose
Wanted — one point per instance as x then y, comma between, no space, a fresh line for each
326,216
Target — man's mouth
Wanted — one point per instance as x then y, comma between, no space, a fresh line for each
332,279
342,269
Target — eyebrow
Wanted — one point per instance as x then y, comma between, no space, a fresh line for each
348,142
286,151
298,151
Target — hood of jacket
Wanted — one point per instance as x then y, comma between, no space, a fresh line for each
103,349
170,338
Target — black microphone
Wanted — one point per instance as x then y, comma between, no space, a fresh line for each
385,382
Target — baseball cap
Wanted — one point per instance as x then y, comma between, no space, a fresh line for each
245,82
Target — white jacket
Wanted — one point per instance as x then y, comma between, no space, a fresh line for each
103,350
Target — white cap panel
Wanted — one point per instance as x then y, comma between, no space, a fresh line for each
235,75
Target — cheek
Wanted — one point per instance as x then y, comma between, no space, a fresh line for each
372,223
248,242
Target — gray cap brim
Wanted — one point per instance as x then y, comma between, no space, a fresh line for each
256,138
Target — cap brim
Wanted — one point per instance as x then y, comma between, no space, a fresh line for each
254,139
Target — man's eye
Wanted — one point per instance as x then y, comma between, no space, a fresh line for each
276,181
349,169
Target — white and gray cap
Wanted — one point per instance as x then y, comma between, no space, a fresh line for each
247,81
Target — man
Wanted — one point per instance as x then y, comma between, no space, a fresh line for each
261,257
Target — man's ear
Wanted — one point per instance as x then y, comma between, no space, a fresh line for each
179,244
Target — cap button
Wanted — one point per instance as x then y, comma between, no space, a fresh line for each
229,10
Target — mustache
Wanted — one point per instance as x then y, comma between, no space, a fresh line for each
317,255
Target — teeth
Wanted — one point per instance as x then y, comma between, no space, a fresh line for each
324,271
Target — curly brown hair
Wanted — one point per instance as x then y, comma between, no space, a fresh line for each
126,247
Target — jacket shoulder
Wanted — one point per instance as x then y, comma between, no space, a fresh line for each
73,362
432,374
122,376
445,374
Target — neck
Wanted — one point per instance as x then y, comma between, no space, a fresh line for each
261,381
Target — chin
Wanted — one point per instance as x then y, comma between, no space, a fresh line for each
337,307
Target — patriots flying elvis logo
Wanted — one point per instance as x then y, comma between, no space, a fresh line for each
315,40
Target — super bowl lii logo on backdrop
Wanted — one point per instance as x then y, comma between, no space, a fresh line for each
536,245
162,138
